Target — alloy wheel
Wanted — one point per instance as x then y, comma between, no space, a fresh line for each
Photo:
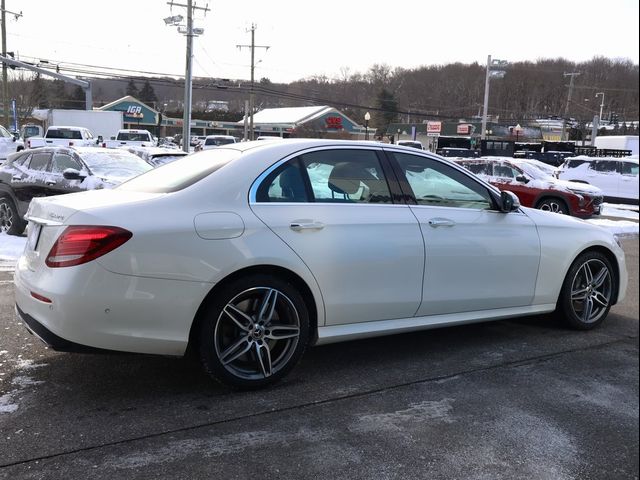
591,290
551,206
257,332
6,216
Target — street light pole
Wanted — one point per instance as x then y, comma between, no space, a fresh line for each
601,104
485,107
367,117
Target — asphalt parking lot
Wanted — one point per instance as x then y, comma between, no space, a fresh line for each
520,399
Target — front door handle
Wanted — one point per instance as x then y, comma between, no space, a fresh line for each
50,182
298,226
441,222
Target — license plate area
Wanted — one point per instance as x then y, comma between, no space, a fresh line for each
33,236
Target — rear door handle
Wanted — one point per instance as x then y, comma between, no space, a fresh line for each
441,222
298,226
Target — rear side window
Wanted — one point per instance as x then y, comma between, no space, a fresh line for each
346,176
39,161
286,184
62,161
604,166
628,168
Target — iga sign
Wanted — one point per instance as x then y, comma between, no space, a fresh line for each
334,123
134,111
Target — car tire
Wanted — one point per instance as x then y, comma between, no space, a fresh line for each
10,221
253,332
555,205
587,291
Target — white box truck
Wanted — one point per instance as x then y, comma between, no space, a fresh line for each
618,142
103,124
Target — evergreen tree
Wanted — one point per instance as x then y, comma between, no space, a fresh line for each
58,96
132,89
147,94
77,99
389,110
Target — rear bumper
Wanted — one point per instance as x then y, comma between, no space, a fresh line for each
52,340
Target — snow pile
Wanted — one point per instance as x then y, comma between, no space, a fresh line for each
11,248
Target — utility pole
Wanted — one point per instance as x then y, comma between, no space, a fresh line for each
189,32
566,108
253,46
495,68
5,85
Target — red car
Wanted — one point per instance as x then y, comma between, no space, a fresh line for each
536,188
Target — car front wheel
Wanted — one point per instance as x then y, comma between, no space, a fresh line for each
254,331
587,291
554,205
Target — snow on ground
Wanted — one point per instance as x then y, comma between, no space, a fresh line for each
621,220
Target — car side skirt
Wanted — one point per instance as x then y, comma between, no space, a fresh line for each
355,331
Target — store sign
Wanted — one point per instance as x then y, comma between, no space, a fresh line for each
434,127
134,111
464,129
334,123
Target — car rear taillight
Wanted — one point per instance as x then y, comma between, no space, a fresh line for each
81,244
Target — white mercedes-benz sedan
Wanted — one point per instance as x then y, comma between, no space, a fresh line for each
251,252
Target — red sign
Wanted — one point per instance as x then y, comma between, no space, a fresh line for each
464,129
334,123
434,127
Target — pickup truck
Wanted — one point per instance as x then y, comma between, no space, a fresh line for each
131,137
65,137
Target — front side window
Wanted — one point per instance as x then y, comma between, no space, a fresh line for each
504,171
436,184
62,161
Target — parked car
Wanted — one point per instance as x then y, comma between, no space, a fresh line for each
411,143
156,156
616,177
8,144
253,252
64,136
458,152
129,137
536,188
213,141
57,170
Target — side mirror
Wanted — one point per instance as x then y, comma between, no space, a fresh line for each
509,201
100,139
73,174
522,179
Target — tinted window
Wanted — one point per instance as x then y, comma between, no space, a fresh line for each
604,166
346,176
478,168
218,141
576,163
628,168
62,161
21,160
286,184
39,161
436,184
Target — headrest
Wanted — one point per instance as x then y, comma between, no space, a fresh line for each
346,176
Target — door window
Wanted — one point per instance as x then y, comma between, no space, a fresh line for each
628,168
346,176
436,184
604,166
286,184
39,161
62,161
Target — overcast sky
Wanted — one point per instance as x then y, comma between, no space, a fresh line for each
321,38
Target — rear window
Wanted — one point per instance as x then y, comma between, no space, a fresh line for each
218,141
65,133
133,136
108,163
181,173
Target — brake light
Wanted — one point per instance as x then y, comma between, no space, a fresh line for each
80,244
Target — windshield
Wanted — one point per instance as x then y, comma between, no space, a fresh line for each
181,173
114,164
534,171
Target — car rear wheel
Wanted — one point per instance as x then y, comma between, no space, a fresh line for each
554,205
587,292
254,331
10,221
